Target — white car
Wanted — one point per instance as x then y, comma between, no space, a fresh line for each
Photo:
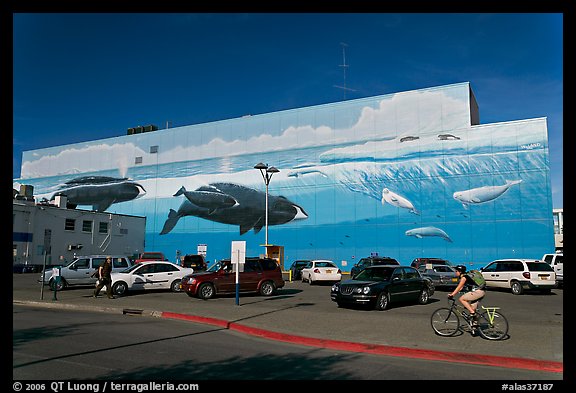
321,270
149,275
519,275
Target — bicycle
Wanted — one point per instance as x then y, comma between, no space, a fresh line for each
491,324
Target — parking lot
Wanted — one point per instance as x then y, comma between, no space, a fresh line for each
536,320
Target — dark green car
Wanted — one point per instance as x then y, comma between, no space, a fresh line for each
379,286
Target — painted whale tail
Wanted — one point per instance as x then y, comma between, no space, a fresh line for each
181,191
513,182
170,223
414,211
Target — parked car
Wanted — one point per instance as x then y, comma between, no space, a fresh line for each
194,261
371,261
321,270
149,275
557,262
417,262
381,286
151,256
81,270
519,275
296,268
260,275
443,276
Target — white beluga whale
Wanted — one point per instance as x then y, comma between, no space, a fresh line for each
397,200
428,232
484,194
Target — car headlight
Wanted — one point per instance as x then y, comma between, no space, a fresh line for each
366,290
334,288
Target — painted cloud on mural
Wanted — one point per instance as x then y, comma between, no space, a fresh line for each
371,122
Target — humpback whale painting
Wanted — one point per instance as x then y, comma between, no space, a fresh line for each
99,191
234,204
484,194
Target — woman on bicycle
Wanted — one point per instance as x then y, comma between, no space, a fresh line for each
472,292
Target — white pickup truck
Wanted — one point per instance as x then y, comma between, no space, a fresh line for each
557,262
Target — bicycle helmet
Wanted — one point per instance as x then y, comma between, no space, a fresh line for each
461,269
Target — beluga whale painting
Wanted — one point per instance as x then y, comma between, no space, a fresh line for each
428,232
397,200
99,191
234,204
484,194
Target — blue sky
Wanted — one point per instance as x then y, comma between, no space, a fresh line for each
82,77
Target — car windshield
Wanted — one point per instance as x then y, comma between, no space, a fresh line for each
131,268
215,267
375,274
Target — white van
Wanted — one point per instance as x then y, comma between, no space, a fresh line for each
557,262
81,270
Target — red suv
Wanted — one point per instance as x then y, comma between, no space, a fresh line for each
260,275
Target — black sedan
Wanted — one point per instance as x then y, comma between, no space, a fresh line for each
379,286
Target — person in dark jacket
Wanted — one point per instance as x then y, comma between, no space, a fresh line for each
105,278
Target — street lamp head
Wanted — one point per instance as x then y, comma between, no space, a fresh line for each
261,166
272,169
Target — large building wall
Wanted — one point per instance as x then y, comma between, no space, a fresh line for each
406,175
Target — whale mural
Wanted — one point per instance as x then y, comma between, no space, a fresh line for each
484,194
99,191
428,232
397,200
234,204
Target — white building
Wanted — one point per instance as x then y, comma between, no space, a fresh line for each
64,233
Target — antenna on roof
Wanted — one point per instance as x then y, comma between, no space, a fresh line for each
344,66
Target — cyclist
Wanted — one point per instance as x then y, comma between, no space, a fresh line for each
472,292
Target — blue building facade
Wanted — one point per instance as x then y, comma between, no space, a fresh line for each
407,175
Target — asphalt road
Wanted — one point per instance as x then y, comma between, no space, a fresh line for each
303,311
61,344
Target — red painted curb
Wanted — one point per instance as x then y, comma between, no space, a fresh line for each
485,360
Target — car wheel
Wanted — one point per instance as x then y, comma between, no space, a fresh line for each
206,291
119,288
175,286
516,288
382,302
424,296
267,288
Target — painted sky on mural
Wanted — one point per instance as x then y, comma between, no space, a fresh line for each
82,77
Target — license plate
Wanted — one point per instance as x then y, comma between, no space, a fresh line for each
328,271
543,277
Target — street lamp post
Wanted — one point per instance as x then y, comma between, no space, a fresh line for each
267,173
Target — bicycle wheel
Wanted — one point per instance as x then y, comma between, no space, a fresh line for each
495,330
445,322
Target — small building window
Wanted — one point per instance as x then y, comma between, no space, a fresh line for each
103,227
70,224
153,149
87,226
138,160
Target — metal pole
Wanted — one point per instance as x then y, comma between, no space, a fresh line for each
267,181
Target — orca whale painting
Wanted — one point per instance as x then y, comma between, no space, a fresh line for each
99,191
234,204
